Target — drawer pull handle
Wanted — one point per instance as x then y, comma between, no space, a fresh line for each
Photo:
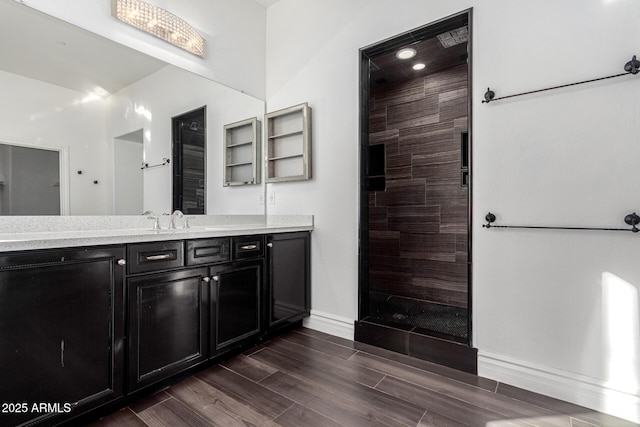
248,247
270,244
122,262
216,278
157,257
206,279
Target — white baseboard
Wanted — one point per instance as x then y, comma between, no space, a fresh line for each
568,386
330,324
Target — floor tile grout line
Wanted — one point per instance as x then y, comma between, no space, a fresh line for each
354,382
136,415
444,377
458,398
293,403
378,383
191,410
155,404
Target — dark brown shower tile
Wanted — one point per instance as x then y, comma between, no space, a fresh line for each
444,192
383,137
414,211
397,161
377,120
439,247
414,219
448,80
410,91
438,270
450,110
459,95
461,124
386,281
383,263
449,157
399,173
384,243
428,144
454,217
378,214
402,113
427,131
439,173
402,192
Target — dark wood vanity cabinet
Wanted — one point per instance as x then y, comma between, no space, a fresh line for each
236,269
61,332
235,304
168,324
287,298
84,327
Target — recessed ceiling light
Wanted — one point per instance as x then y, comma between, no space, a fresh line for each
406,53
419,66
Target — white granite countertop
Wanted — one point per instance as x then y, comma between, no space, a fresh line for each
27,233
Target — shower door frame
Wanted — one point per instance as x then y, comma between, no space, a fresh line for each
428,31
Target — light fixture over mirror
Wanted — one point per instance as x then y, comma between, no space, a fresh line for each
160,23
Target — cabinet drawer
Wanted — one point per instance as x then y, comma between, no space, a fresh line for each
207,251
155,256
247,247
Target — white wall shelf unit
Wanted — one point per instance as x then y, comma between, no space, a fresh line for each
288,144
241,153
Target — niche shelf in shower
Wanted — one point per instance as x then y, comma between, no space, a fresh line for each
241,165
288,144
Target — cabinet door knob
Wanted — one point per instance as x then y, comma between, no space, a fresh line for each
122,262
270,244
206,279
215,278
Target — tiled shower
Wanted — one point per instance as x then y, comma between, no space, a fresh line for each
418,210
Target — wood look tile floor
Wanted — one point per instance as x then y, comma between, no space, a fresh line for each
307,378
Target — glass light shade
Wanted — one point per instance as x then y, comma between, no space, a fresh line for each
160,23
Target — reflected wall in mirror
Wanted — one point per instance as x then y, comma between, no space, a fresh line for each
29,181
69,89
128,156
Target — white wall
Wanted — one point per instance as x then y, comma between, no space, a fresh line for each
40,114
233,31
143,106
128,177
547,304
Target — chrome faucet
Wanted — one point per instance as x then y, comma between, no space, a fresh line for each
156,223
172,223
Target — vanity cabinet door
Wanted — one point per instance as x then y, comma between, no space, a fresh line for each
235,304
61,332
288,284
167,324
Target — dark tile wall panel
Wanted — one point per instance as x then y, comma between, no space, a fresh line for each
418,225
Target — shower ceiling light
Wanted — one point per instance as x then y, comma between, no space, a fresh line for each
419,66
160,23
406,53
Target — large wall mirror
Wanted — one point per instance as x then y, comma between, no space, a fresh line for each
103,110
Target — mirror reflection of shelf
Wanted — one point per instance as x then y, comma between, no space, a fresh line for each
241,166
288,151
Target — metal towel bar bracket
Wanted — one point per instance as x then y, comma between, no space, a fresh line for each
631,219
165,161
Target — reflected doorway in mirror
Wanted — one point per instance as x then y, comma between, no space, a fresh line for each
128,155
189,154
31,180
